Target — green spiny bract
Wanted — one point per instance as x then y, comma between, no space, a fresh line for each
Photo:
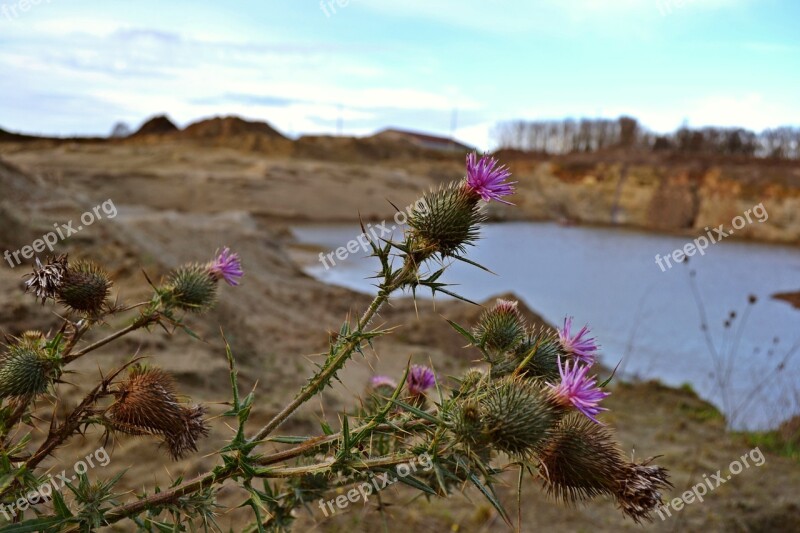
26,369
472,380
192,288
517,415
535,358
541,350
500,328
84,287
446,224
466,419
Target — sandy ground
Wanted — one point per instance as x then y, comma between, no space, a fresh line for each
178,203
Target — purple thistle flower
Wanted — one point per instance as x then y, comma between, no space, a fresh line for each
420,378
382,381
579,346
488,180
579,390
227,266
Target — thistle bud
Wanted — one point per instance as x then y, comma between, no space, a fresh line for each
517,415
467,423
446,224
500,328
472,380
84,287
382,386
192,288
25,369
146,404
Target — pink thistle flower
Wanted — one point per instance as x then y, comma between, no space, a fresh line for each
382,381
579,346
578,390
420,378
487,179
227,266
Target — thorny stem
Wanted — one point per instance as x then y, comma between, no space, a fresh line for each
209,479
364,464
140,322
394,282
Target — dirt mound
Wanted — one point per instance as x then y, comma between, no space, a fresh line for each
157,125
331,148
792,297
6,136
226,127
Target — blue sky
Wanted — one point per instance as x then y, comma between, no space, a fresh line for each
77,67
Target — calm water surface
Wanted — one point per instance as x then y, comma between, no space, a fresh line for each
645,319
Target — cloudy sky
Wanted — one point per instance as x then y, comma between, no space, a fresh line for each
77,67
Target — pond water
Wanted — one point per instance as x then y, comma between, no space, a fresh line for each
647,320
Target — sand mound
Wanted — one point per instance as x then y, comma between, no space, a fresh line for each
226,127
157,125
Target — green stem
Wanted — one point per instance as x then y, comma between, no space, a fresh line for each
397,280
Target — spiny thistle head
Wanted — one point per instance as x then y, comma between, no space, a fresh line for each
541,350
472,380
146,404
32,338
192,288
447,223
488,180
420,379
26,369
84,287
580,346
581,460
227,266
500,328
147,400
467,423
45,280
576,389
517,415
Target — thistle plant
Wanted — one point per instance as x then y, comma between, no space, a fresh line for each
533,402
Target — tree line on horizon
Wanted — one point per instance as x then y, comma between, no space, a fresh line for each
568,136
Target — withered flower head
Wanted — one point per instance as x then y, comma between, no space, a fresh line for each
639,491
146,404
46,280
